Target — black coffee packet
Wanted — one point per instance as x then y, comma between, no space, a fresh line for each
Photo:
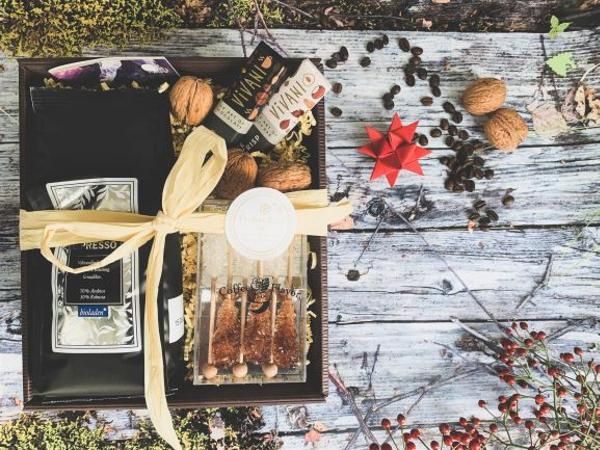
98,150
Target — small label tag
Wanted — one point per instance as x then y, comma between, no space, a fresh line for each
176,320
92,311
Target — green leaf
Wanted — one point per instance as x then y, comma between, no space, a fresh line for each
561,63
557,28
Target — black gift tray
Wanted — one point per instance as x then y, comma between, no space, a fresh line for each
32,71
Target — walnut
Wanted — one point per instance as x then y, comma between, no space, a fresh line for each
285,177
239,175
484,96
191,100
506,129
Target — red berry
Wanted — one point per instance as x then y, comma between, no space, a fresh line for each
482,403
523,325
493,428
581,409
545,409
502,407
447,440
578,351
406,437
386,446
463,422
541,336
374,446
567,357
502,398
554,447
521,352
513,325
414,433
464,439
474,445
516,419
553,372
562,392
401,419
597,368
445,429
522,383
539,399
528,342
411,446
435,445
386,424
529,424
475,421
506,343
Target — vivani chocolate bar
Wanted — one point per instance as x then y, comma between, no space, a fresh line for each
260,77
299,93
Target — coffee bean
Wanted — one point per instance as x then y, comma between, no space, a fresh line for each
461,156
365,61
444,160
452,130
478,173
492,214
485,226
449,184
474,216
436,132
469,185
336,112
422,73
468,148
508,200
416,51
409,69
331,63
468,171
378,44
344,53
426,101
385,39
457,117
415,137
484,220
434,80
404,44
478,161
478,145
415,61
479,204
395,90
337,87
423,141
449,141
410,80
463,134
388,97
389,105
436,91
458,188
448,107
444,124
457,146
353,275
489,174
370,47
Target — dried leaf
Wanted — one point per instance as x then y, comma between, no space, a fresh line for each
557,28
427,24
561,63
569,106
440,2
312,436
580,99
547,120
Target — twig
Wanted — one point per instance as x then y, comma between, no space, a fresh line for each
375,357
541,284
366,247
487,367
262,19
9,115
572,324
477,335
415,210
242,29
293,8
346,395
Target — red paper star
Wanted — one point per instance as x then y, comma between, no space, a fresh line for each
394,151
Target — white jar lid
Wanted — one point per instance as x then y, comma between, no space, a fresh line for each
260,224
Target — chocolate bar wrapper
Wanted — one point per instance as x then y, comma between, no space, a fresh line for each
299,93
261,76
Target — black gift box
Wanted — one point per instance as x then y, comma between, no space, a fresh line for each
32,71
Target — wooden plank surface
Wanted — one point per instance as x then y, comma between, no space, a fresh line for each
405,297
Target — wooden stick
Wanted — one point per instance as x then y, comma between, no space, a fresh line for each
229,266
208,369
244,302
290,263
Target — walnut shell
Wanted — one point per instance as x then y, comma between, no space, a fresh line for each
285,177
191,100
484,96
506,129
239,175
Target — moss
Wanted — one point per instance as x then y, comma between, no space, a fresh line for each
241,13
65,27
30,432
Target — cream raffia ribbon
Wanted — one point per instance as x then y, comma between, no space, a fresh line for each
189,183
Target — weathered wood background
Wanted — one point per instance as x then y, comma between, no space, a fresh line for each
401,307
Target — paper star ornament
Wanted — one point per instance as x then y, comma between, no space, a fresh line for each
394,151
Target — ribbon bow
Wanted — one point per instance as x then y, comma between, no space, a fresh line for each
189,183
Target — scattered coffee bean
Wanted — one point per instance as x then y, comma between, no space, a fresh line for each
388,97
365,61
457,117
474,216
353,275
426,101
395,90
457,146
415,137
417,51
478,145
459,188
449,184
404,44
434,80
422,73
492,214
436,91
468,171
409,69
448,107
508,200
385,39
344,53
337,87
410,80
389,105
336,56
478,173
336,112
378,44
479,204
415,61
484,220
331,63
444,124
461,156
478,161
469,185
370,47
463,134
444,160
436,132
449,141
468,148
489,174
452,130
423,141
